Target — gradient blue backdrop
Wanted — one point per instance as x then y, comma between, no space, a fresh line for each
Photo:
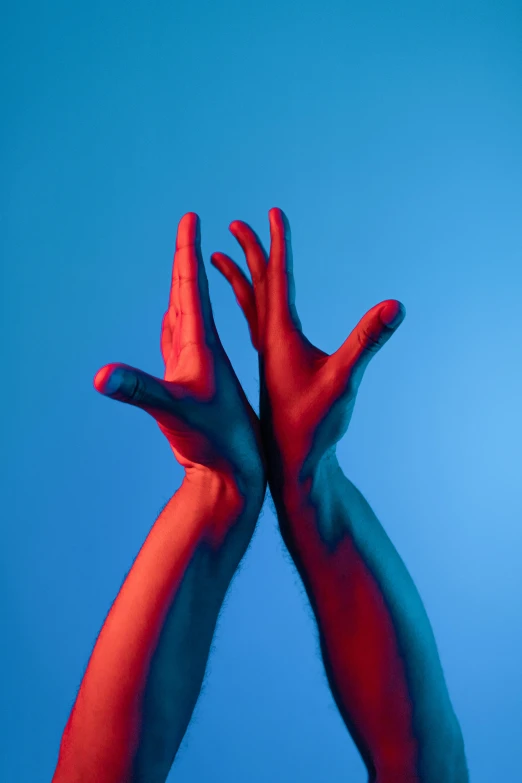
391,134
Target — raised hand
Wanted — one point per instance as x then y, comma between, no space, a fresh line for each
145,672
307,396
199,405
377,644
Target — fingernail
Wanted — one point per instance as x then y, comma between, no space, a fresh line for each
111,381
392,314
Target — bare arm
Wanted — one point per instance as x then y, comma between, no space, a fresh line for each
377,643
145,673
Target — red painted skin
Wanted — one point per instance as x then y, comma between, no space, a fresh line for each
112,736
307,398
306,402
184,403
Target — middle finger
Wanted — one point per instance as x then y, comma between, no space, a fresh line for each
257,259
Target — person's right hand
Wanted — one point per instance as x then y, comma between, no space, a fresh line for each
199,405
306,396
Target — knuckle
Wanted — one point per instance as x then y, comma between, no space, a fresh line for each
369,340
134,388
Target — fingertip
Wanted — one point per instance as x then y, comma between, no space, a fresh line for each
217,261
189,230
273,216
279,223
235,228
98,379
107,380
392,314
115,379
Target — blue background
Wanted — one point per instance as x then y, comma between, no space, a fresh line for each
391,135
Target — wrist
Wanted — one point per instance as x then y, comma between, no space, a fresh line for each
226,481
227,501
294,483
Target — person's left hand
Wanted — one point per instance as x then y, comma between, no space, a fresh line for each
199,405
306,396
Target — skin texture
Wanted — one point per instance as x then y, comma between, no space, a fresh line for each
145,672
377,644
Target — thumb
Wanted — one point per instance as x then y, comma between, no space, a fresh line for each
118,381
377,326
135,387
373,330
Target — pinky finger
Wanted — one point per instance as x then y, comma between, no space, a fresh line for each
243,291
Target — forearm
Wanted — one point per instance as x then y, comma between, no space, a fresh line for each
377,643
145,672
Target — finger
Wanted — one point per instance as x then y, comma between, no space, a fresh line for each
135,387
243,290
173,312
281,284
256,258
166,338
197,323
255,253
373,330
